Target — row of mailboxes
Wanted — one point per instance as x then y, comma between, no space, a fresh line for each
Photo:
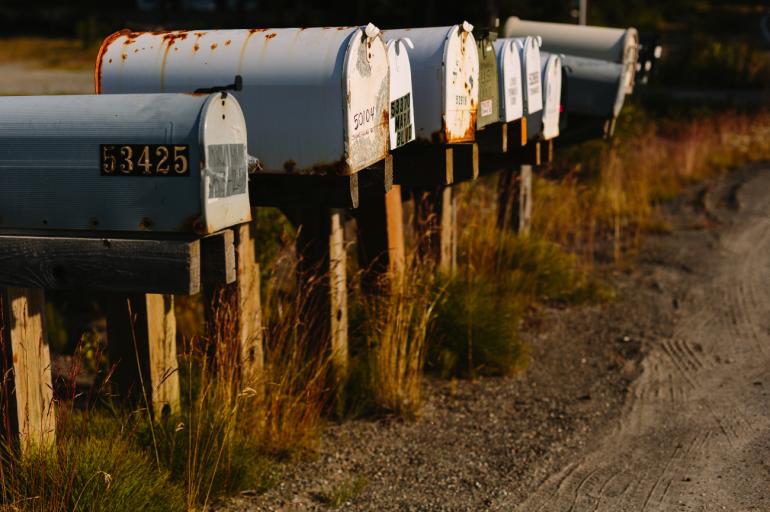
314,101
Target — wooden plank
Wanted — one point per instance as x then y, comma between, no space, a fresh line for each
141,336
106,264
436,226
514,199
322,271
375,181
27,394
493,138
380,239
234,312
306,190
423,165
466,162
218,258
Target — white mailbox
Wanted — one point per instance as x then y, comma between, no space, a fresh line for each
531,73
445,81
401,98
316,100
509,77
617,45
161,163
552,80
594,87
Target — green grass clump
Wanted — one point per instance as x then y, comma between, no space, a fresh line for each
336,496
89,473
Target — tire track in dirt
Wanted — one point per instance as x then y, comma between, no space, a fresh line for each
688,437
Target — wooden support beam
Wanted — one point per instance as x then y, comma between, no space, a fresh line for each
466,162
514,199
141,336
218,258
493,138
436,226
28,416
423,165
307,190
102,264
322,271
381,239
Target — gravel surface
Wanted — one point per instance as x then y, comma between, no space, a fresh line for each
622,402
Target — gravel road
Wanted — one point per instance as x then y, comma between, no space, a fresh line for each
655,402
695,433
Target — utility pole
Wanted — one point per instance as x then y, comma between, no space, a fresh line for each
582,12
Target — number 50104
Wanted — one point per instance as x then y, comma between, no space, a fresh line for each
145,159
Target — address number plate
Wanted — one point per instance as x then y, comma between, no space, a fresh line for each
145,159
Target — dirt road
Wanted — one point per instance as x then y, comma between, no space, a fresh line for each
21,78
695,433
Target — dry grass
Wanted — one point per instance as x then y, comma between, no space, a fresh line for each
49,53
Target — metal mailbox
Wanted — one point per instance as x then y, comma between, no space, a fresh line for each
619,45
552,81
165,163
445,81
316,100
594,87
489,88
509,80
529,54
401,104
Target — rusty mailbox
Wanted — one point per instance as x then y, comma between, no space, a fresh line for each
445,81
619,45
155,163
401,98
316,100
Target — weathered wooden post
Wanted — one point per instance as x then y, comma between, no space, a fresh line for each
28,410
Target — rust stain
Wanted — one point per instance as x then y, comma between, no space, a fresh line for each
124,56
102,51
196,47
289,165
109,61
255,30
213,46
146,223
228,42
270,35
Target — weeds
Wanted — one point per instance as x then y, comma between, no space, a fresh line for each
336,496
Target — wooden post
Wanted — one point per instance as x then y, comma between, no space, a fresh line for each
381,239
27,392
514,199
244,310
322,266
141,334
436,218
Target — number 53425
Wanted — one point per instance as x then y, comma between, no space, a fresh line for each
145,159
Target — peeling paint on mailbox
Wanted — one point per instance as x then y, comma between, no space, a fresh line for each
489,88
401,96
445,81
509,79
165,163
316,100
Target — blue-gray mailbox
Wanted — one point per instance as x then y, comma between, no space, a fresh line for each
594,87
161,163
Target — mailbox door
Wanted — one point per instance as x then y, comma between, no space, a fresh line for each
509,67
461,89
529,51
489,87
401,104
552,96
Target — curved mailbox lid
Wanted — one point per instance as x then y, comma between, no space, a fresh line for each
594,87
551,64
315,99
617,45
401,105
529,54
169,163
509,64
489,87
445,81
